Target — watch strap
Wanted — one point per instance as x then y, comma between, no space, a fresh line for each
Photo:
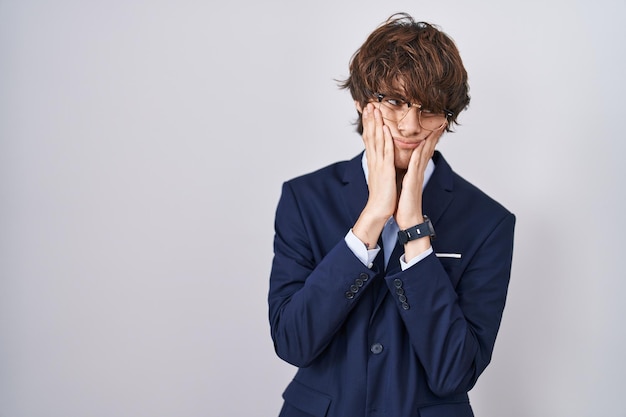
416,232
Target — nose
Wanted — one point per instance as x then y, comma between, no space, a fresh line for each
410,124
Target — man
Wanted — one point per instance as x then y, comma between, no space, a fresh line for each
390,271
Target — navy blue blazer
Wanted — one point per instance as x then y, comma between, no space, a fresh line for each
376,342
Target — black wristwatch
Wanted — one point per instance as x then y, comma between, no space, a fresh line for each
416,232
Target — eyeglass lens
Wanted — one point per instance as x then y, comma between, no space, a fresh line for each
426,119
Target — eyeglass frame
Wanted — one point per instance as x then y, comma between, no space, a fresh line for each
446,113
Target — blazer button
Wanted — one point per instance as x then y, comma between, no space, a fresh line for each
405,306
376,348
354,288
363,276
397,282
349,295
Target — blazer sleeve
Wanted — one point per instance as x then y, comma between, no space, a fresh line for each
312,291
452,324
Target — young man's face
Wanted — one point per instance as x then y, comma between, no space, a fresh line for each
406,129
407,135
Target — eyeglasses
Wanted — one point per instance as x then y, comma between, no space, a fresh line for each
395,109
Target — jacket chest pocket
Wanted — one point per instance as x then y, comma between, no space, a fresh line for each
452,263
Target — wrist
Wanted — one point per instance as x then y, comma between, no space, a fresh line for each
407,222
415,248
368,228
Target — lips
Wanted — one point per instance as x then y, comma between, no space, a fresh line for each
405,144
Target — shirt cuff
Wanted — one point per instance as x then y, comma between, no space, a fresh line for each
366,256
405,265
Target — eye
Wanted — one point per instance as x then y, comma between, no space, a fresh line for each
428,112
425,110
395,102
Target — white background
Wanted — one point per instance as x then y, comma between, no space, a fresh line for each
142,149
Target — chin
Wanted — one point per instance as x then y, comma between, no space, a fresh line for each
402,161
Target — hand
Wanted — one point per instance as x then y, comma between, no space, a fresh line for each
409,211
380,163
382,200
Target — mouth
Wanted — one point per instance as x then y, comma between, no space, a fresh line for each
406,144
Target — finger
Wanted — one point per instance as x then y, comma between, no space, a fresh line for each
379,137
429,149
388,143
416,160
417,165
369,129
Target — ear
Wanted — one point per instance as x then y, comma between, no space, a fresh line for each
358,106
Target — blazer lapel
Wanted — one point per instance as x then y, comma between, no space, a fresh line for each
438,193
355,192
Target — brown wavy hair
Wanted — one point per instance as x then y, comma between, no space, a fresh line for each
412,60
